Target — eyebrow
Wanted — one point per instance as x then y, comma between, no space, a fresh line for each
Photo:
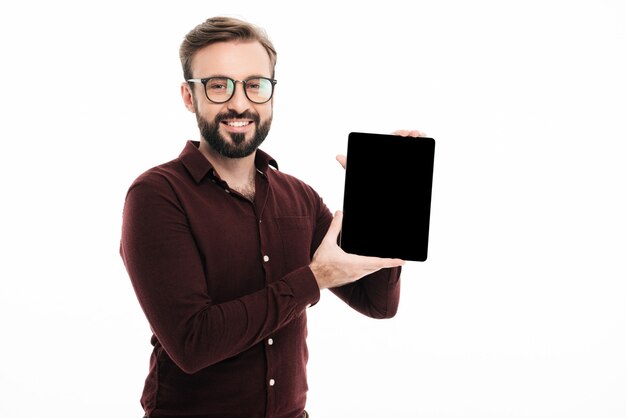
247,78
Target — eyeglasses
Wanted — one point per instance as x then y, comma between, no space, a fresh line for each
258,90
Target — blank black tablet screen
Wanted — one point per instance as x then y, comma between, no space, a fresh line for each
387,196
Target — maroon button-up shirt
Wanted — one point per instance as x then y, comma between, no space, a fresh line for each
224,283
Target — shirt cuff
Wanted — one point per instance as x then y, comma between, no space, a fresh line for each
305,290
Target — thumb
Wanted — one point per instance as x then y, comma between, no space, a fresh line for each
335,227
342,160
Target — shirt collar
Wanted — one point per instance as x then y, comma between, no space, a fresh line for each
198,165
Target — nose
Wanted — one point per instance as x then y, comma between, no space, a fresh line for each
239,102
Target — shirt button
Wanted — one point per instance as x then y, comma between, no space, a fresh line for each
227,191
266,258
270,341
272,382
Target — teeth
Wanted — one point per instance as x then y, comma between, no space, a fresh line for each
238,124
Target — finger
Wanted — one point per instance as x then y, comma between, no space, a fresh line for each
335,227
405,132
387,262
342,160
379,262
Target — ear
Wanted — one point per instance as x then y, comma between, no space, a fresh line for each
187,95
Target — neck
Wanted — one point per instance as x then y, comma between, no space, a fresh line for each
237,172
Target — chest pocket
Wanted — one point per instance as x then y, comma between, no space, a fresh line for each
296,233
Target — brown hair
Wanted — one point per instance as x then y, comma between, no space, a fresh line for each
222,29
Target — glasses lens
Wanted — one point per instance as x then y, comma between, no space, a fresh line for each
259,90
219,89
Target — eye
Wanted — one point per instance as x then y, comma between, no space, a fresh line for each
217,85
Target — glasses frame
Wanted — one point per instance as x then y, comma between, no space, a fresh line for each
205,80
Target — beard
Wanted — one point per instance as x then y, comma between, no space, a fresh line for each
239,147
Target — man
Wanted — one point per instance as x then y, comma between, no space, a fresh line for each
226,253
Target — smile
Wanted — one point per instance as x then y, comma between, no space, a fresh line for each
237,123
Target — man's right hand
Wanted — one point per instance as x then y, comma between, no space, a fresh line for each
334,267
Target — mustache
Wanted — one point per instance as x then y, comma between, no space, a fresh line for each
231,114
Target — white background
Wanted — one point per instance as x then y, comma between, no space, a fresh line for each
520,310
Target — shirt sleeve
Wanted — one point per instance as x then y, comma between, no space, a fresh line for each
376,295
166,271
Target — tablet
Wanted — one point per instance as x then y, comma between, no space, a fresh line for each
387,196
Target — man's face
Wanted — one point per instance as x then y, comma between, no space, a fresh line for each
234,129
